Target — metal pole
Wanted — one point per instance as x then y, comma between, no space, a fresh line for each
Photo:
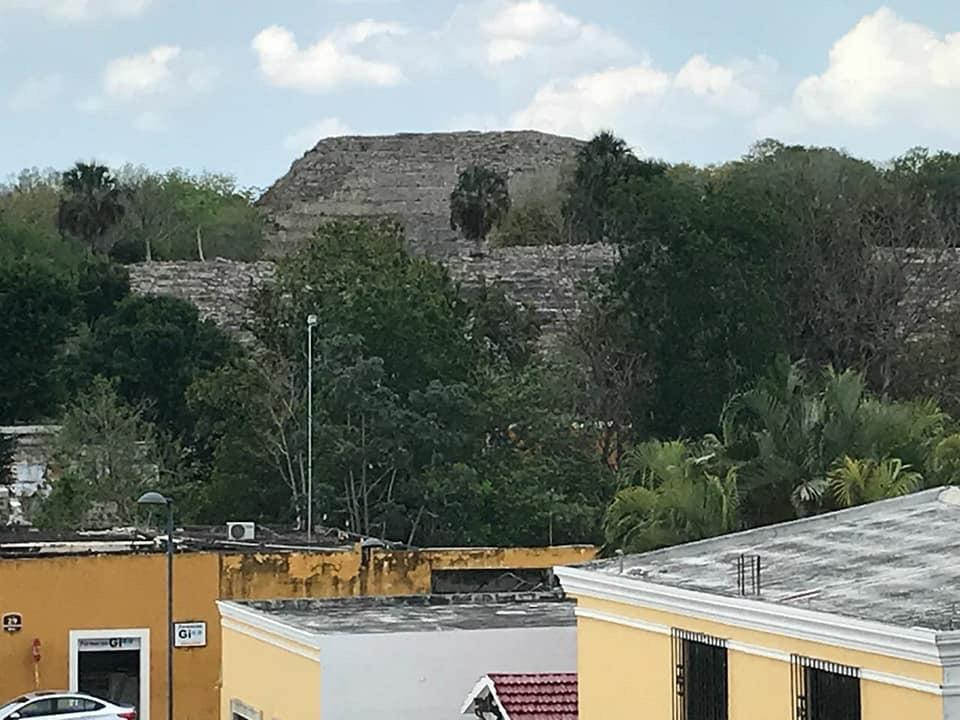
170,629
309,430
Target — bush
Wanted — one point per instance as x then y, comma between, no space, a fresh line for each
530,224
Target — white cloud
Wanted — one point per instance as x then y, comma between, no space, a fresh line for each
77,10
305,138
643,102
35,92
590,102
150,84
330,63
885,71
520,29
151,72
731,87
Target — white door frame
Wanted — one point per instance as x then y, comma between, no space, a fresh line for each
142,634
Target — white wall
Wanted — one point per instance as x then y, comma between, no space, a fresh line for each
427,675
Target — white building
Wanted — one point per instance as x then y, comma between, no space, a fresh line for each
410,658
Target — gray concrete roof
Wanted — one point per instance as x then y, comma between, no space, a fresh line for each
895,561
421,613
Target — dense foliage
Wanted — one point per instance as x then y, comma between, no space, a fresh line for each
761,350
133,214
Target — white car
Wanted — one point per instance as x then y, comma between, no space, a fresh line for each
64,706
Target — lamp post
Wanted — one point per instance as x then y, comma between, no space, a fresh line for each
151,499
311,322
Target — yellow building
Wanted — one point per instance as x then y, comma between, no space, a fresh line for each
91,613
848,615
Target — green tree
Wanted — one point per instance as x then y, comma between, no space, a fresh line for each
696,295
675,493
854,482
535,476
944,462
603,164
31,201
479,202
530,224
101,285
415,389
153,348
91,204
250,442
181,216
791,431
359,281
38,309
508,331
107,454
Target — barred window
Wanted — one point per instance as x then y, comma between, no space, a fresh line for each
824,691
239,710
700,676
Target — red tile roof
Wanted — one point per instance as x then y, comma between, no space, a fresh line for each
536,696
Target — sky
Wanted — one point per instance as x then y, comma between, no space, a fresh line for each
244,87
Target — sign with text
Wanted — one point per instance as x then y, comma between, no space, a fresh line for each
190,634
12,622
106,644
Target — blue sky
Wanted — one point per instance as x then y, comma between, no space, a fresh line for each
245,86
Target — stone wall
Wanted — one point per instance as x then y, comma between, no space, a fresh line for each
408,178
548,279
221,289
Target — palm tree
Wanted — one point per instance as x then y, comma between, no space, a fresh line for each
603,163
680,492
91,203
479,202
791,431
854,482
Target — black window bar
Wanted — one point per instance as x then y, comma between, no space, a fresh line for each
824,690
699,676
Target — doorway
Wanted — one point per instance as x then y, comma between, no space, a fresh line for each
113,665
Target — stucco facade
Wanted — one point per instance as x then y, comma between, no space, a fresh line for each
70,603
625,646
848,614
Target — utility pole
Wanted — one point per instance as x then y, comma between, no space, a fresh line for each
311,322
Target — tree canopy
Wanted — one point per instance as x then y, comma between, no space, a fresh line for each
479,202
777,337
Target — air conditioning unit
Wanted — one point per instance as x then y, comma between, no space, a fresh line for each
241,530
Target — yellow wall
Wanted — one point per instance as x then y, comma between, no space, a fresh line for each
57,594
281,684
621,666
335,573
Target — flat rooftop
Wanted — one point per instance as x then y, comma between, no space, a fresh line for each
28,542
894,561
420,613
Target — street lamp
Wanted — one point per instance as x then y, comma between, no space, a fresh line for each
151,499
311,322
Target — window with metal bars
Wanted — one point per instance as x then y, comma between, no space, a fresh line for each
699,676
824,691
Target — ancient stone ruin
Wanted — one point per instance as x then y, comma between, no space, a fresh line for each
221,289
407,178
